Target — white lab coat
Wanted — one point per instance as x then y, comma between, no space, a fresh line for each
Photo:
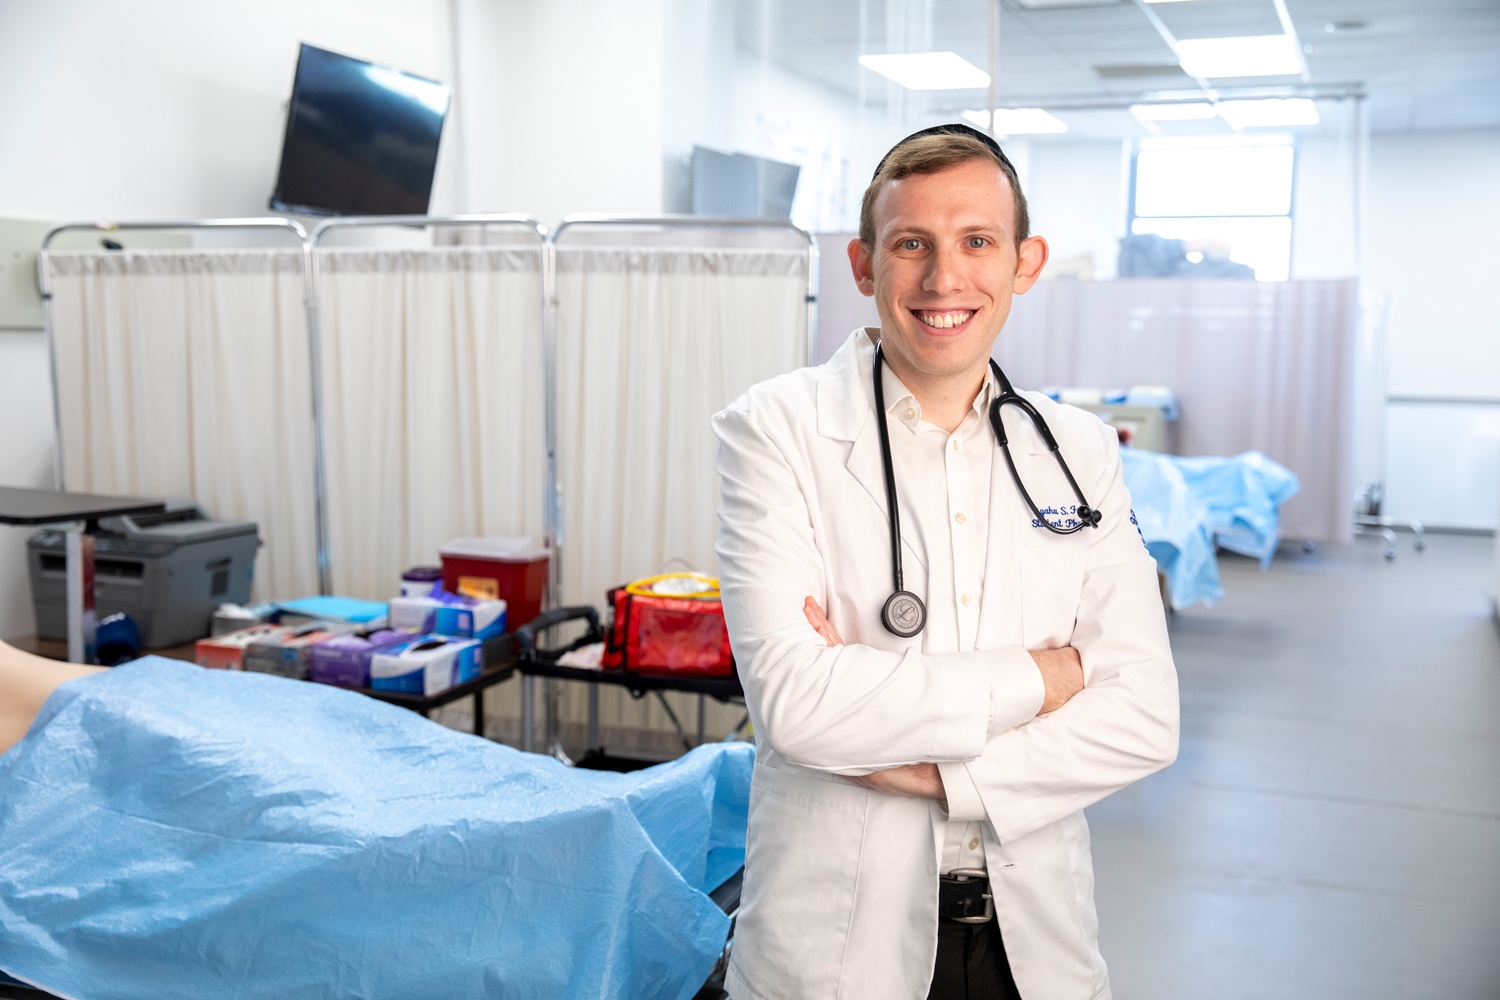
840,893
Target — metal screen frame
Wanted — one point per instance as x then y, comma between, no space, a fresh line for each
314,350
413,222
553,509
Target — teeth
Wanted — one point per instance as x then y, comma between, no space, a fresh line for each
945,320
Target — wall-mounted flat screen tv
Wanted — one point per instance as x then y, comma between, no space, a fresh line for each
361,138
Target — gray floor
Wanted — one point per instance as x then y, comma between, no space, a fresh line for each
1331,828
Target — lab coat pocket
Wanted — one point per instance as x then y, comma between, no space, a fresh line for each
801,870
1051,582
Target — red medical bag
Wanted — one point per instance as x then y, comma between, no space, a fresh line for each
668,635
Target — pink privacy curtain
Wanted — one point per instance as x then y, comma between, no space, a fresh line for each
1256,365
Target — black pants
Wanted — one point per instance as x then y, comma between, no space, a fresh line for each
971,964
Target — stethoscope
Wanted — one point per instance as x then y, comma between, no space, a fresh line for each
904,613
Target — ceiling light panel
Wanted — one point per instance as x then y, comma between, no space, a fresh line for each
1252,55
1018,121
1269,113
1055,4
1193,111
928,70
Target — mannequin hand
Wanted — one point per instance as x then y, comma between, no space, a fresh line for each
913,781
820,622
1062,674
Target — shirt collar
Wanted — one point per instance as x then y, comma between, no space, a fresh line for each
903,407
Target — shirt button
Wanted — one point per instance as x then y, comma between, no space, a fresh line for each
974,844
911,414
959,517
966,600
955,444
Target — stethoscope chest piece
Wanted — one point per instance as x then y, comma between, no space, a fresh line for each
904,614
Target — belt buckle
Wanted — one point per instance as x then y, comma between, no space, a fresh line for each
988,897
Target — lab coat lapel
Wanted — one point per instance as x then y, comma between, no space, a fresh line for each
846,411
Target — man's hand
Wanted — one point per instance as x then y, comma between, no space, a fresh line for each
1062,674
913,781
819,621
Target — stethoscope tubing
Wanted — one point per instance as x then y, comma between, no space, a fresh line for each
1087,515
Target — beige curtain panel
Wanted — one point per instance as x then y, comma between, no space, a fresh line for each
433,404
184,373
1257,365
651,343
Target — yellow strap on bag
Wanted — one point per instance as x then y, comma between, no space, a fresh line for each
709,588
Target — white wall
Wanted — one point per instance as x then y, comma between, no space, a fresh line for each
1324,204
1075,195
697,91
788,117
1431,214
173,108
25,460
562,105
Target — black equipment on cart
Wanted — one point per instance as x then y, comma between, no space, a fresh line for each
535,662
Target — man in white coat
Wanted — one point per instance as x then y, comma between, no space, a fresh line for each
916,823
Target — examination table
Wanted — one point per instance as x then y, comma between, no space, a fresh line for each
173,832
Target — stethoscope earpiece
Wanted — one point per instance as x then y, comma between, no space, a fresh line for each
904,613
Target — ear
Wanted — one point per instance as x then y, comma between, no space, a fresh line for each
1029,264
859,262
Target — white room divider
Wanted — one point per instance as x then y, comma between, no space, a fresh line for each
653,334
184,373
1257,365
433,393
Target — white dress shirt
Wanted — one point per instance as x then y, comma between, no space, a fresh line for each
943,487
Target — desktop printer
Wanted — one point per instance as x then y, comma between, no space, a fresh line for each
168,571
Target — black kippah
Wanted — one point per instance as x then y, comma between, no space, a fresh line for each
953,129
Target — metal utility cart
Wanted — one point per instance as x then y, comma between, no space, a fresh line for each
534,662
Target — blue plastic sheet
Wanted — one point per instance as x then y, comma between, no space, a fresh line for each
173,832
1243,495
1174,524
1184,506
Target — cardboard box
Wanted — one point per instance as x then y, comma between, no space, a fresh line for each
427,665
286,653
449,614
345,660
226,652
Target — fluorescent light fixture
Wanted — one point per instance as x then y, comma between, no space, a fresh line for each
1252,55
1163,1
1186,111
1269,113
928,70
1018,121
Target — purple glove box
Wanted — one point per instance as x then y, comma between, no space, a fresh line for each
345,660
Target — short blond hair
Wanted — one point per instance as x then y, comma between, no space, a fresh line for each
929,154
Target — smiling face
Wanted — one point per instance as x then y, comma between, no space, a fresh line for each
942,267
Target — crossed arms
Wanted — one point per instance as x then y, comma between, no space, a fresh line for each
853,710
1062,678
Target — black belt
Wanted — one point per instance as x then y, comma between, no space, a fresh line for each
964,896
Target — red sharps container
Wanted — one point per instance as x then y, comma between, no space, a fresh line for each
511,569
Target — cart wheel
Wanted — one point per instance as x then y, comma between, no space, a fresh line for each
1390,553
1309,546
1419,544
